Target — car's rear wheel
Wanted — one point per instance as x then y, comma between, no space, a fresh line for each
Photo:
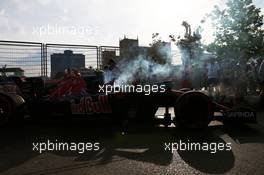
11,109
6,109
193,110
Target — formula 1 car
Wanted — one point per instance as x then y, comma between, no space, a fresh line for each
32,97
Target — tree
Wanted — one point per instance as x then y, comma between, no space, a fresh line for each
238,38
239,33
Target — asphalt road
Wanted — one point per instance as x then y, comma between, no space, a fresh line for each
138,150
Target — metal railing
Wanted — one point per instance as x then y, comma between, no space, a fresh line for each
24,55
89,52
102,49
35,58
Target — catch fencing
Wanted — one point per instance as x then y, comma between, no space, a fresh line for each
34,59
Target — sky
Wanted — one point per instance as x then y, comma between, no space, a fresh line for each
101,22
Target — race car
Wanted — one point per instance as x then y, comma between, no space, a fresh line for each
69,99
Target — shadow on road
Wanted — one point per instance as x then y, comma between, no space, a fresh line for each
145,144
212,161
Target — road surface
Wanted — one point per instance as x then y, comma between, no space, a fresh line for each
137,150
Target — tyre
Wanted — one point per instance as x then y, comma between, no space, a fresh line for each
193,110
11,108
6,109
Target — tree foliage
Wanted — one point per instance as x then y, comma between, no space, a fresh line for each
239,33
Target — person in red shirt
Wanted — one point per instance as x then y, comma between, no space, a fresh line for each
72,84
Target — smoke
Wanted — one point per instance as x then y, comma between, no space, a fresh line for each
143,65
142,70
162,51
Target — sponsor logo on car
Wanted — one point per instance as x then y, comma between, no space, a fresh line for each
237,114
87,105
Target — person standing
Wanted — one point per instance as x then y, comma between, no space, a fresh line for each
213,76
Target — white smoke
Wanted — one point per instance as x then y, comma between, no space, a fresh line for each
142,70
